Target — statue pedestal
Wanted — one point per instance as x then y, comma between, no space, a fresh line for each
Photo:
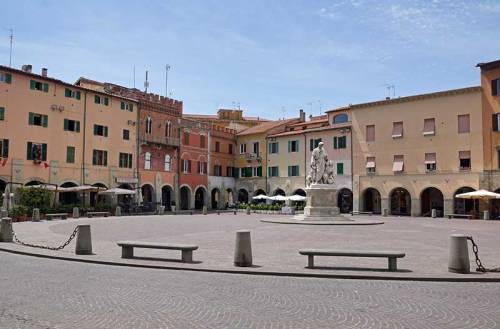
320,204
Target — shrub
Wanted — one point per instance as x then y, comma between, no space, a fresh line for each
39,197
18,211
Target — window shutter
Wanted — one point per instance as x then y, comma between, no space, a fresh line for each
30,118
32,84
122,105
46,87
311,144
259,171
189,165
269,148
45,120
205,168
289,171
2,113
97,99
67,92
495,122
494,87
5,151
131,107
335,142
44,152
95,130
105,156
340,168
106,101
8,78
77,126
29,149
236,173
94,157
130,160
289,146
297,149
65,124
78,95
105,131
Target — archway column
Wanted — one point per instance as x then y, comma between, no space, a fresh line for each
448,206
384,204
415,208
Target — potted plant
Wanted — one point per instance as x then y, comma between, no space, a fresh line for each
19,213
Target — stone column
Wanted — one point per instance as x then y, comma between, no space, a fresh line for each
448,207
415,207
384,204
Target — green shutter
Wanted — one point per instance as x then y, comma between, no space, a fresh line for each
259,171
105,153
46,87
311,144
277,147
95,130
289,171
30,118
131,107
8,78
105,131
94,157
67,92
97,99
2,113
44,152
130,160
65,124
29,154
297,145
340,168
236,172
106,101
70,154
45,120
122,105
78,95
289,146
335,142
269,147
77,126
5,151
32,84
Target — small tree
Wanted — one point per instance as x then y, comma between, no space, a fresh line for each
36,197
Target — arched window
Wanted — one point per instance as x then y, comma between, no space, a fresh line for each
147,161
149,125
340,118
168,162
168,129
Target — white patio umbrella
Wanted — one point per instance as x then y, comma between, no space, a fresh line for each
480,194
82,188
260,197
297,197
278,198
118,191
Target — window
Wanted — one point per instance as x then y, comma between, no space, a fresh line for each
230,171
397,129
340,168
398,164
465,163
246,172
126,134
496,122
464,124
340,118
202,141
147,161
2,113
230,148
217,146
127,106
274,171
313,143
71,125
293,171
429,127
101,100
35,119
202,167
36,152
41,86
217,170
370,165
293,146
4,148
256,148
498,157
149,125
168,162
168,129
370,133
243,149
99,158
186,166
70,154
72,93
274,147
339,142
257,171
495,87
125,160
100,130
6,77
185,138
430,162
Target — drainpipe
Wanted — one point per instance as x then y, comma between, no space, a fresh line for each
137,145
84,136
266,164
305,160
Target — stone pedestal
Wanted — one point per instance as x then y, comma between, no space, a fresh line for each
320,203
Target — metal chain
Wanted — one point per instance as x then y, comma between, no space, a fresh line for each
480,267
62,246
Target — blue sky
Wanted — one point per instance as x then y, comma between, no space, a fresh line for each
271,57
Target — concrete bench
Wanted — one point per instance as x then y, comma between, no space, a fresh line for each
58,215
128,248
392,256
369,213
450,216
91,214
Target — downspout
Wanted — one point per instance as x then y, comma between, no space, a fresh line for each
138,145
352,170
266,164
84,136
305,159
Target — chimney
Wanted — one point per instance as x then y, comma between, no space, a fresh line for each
26,68
302,115
310,117
44,72
387,98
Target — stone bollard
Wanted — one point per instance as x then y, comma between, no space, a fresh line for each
458,261
4,213
76,212
173,209
205,211
161,210
243,249
234,212
386,212
35,216
118,211
6,234
83,241
486,215
433,213
248,210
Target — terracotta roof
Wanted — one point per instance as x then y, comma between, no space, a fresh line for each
83,79
265,126
216,117
311,122
489,65
411,98
311,130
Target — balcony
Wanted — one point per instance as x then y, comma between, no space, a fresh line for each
160,140
252,156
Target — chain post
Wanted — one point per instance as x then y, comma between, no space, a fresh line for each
62,246
480,267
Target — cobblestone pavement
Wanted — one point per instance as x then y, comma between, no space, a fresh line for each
46,293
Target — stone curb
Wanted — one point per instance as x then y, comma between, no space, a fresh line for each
264,273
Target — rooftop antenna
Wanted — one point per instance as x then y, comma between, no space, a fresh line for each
146,83
236,105
11,37
167,68
390,88
320,107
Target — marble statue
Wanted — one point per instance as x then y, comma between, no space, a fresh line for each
321,169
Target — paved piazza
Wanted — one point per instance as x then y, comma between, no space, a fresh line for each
47,293
275,246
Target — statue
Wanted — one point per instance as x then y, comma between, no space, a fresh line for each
322,171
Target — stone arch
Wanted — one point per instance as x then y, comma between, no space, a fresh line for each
229,197
215,197
68,197
340,118
279,191
96,198
200,197
167,196
300,191
400,202
242,195
34,181
495,207
464,206
185,197
371,201
148,193
344,200
431,198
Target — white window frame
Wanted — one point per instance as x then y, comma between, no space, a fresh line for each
147,161
168,162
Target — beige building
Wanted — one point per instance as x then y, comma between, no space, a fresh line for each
413,154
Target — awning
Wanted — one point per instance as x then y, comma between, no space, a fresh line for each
398,164
464,154
397,129
118,191
430,158
370,162
429,127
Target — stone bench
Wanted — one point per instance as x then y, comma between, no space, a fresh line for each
91,214
58,215
450,216
128,248
369,213
392,256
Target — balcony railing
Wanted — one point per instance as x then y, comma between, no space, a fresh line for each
161,140
252,156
